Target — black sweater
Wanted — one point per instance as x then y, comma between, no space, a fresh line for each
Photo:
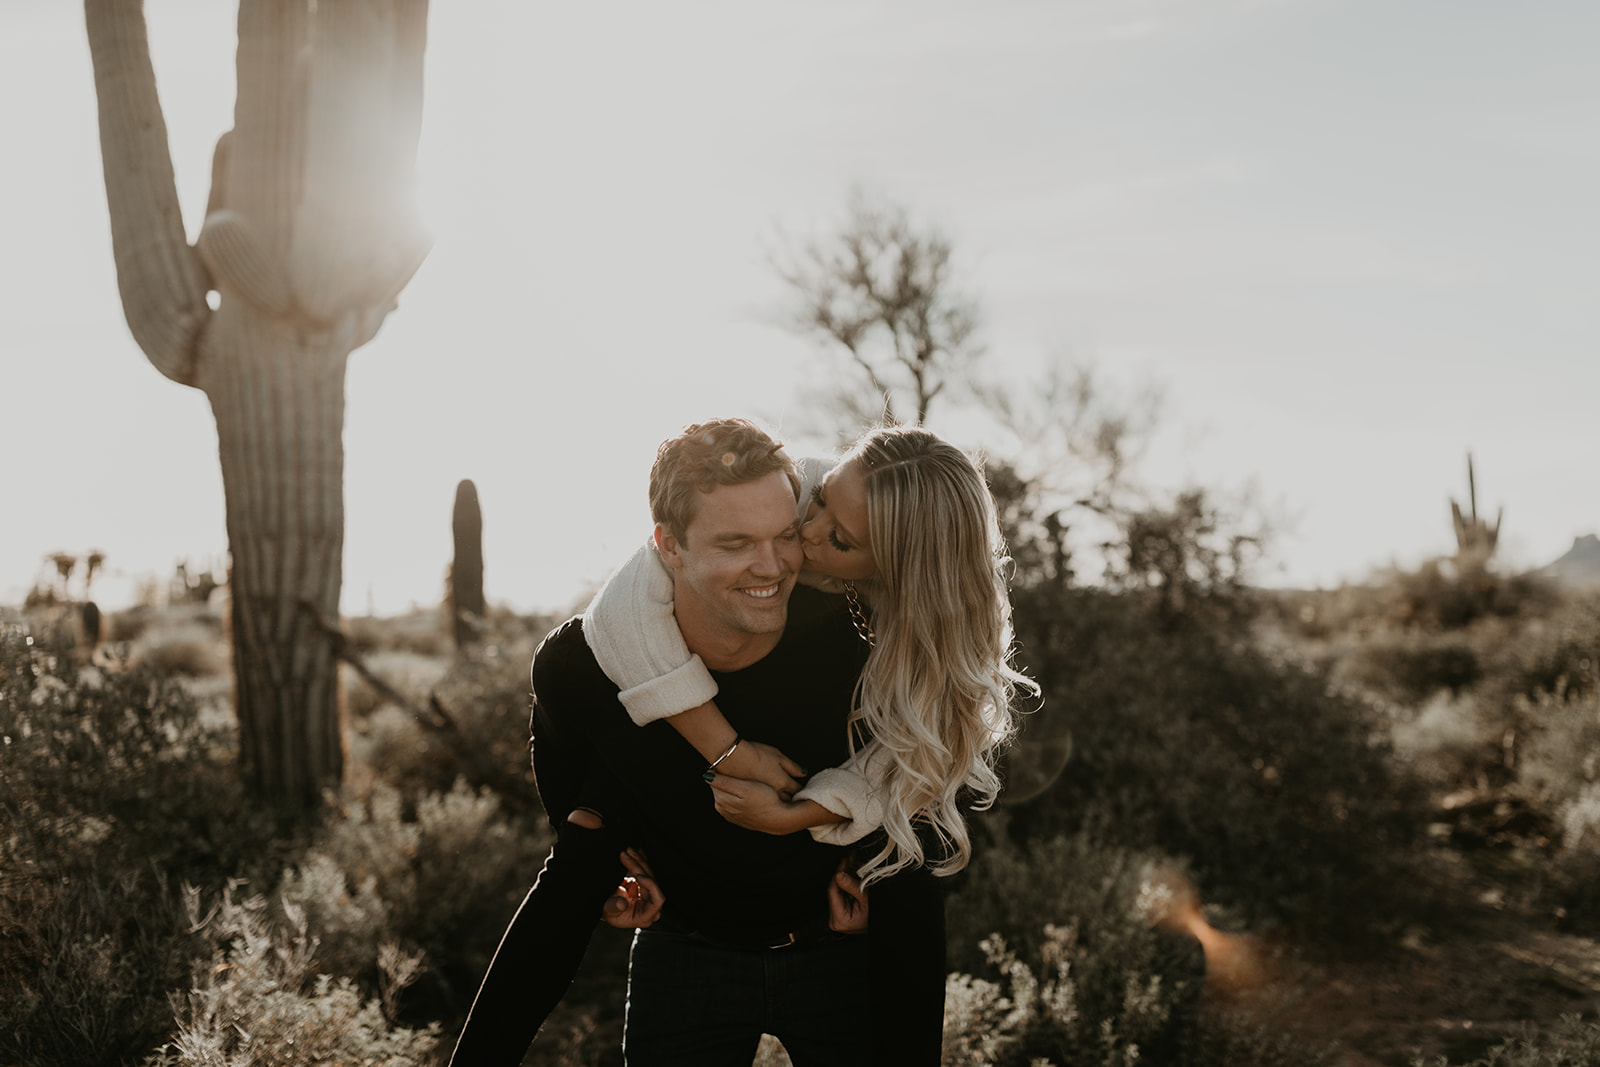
726,882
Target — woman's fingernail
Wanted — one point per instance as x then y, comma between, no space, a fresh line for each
709,776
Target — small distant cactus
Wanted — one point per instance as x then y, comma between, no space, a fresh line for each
92,563
466,571
65,563
1475,539
89,615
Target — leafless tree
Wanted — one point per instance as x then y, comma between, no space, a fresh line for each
881,292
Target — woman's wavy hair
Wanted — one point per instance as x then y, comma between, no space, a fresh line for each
938,687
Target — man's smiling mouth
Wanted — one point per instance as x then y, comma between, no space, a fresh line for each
763,593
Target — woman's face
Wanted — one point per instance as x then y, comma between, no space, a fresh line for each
834,535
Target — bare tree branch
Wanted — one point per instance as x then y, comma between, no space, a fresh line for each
880,292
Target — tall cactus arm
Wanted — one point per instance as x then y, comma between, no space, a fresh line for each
162,280
357,240
410,41
412,244
233,251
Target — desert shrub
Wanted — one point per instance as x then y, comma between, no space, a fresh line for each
411,673
110,785
1409,667
1072,904
1560,762
423,633
255,999
443,879
1012,890
1447,741
1560,653
1453,593
1033,1016
130,623
1570,1043
1559,776
1088,960
114,769
1279,793
84,968
482,736
190,650
1186,560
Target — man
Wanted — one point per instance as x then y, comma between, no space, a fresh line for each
743,946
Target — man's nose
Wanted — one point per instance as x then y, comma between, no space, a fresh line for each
768,559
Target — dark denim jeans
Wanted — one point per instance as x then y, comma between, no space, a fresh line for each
694,1001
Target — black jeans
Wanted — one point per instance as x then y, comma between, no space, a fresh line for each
543,946
694,1001
540,951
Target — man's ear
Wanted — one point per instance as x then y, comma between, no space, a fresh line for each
667,547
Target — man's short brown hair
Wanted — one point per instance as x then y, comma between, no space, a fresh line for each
706,455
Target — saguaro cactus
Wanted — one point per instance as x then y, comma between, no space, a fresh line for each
310,234
1475,538
466,570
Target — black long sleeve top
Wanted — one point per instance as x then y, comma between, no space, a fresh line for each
726,882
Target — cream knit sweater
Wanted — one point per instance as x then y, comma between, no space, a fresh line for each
631,630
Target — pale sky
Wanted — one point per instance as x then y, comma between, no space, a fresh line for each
1352,240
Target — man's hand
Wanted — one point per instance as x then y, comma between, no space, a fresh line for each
638,900
755,806
847,903
757,762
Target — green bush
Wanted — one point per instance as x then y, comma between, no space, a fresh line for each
1559,776
1277,792
1560,763
1408,667
1453,593
1092,968
1071,906
481,736
443,880
255,999
1571,1043
111,788
1558,654
84,970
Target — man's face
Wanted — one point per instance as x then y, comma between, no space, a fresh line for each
737,560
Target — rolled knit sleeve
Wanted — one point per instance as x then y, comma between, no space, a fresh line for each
634,636
849,790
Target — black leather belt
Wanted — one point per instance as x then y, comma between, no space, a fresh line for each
808,935
813,933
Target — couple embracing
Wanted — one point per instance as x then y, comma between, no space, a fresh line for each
767,727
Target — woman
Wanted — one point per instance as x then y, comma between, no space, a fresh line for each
905,519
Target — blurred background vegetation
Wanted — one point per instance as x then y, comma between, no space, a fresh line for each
1232,808
1226,794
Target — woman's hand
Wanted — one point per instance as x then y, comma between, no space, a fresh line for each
638,900
757,806
756,762
847,903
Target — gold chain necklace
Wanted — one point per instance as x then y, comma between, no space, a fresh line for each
857,616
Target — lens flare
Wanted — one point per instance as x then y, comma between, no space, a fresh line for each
1236,964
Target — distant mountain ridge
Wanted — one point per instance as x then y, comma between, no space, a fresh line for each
1580,566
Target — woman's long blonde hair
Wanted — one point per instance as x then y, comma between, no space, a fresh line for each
938,685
